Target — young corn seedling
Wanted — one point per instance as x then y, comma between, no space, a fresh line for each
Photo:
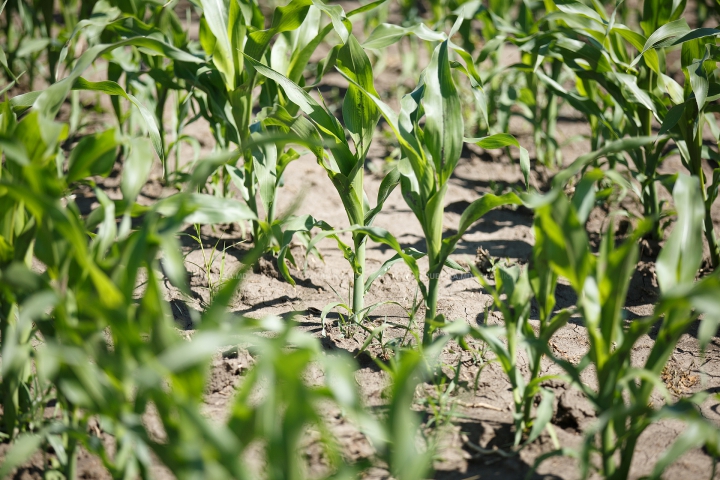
513,293
344,163
622,397
431,153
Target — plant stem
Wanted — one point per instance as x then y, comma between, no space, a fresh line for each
359,278
709,227
431,306
608,445
71,467
650,200
695,150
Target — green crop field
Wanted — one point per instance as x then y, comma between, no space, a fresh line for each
315,239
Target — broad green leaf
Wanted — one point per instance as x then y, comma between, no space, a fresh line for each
205,209
50,100
567,246
304,223
301,98
543,414
577,8
617,146
443,133
696,34
387,185
630,82
173,264
215,13
387,34
264,160
287,18
672,117
408,142
699,81
667,31
502,140
337,17
433,224
21,450
93,155
359,112
673,88
681,256
112,88
481,206
389,263
136,168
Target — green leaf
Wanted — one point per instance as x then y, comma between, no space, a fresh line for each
386,34
661,35
699,81
499,140
680,258
304,223
502,140
696,34
215,14
136,168
285,18
359,112
93,155
616,146
112,88
672,117
173,264
50,100
302,99
388,184
543,415
444,128
408,142
205,209
337,17
481,206
472,214
264,159
20,451
416,254
577,8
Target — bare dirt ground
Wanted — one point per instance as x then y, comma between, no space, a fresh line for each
480,413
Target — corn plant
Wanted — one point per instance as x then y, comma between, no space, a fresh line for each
516,89
621,94
86,291
146,75
692,109
344,164
514,284
512,294
430,156
224,88
622,398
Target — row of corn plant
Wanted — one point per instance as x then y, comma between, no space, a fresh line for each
107,356
622,397
431,152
